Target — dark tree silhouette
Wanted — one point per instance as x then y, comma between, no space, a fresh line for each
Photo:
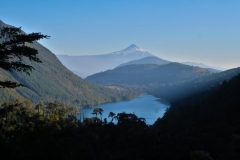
100,110
112,115
14,47
97,111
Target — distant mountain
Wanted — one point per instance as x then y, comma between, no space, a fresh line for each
88,65
52,81
146,60
172,81
203,66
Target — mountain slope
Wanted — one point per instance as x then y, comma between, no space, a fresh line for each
88,65
146,60
52,81
147,74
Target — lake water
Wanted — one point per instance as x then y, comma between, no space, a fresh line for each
146,106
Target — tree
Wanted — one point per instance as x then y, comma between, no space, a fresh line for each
111,114
14,47
100,110
97,111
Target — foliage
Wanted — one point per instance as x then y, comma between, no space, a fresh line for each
112,115
14,48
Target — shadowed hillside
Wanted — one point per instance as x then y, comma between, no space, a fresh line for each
209,128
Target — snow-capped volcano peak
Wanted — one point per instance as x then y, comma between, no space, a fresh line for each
134,47
132,50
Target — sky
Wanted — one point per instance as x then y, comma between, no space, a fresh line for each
204,31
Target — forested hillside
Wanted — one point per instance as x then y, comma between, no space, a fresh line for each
148,75
52,81
209,128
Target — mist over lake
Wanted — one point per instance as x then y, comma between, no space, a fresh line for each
146,106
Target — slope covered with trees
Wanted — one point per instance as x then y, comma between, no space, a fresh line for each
209,128
148,74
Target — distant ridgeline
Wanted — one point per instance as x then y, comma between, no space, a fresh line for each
172,81
52,81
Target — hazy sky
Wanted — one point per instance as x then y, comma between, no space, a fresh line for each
206,31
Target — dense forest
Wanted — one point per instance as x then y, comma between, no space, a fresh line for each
207,130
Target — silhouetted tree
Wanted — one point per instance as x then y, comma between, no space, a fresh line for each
105,121
112,115
97,111
100,112
14,48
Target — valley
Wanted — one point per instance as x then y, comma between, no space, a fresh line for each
128,104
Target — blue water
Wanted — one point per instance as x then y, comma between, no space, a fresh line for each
146,106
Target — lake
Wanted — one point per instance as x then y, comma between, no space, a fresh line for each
146,106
